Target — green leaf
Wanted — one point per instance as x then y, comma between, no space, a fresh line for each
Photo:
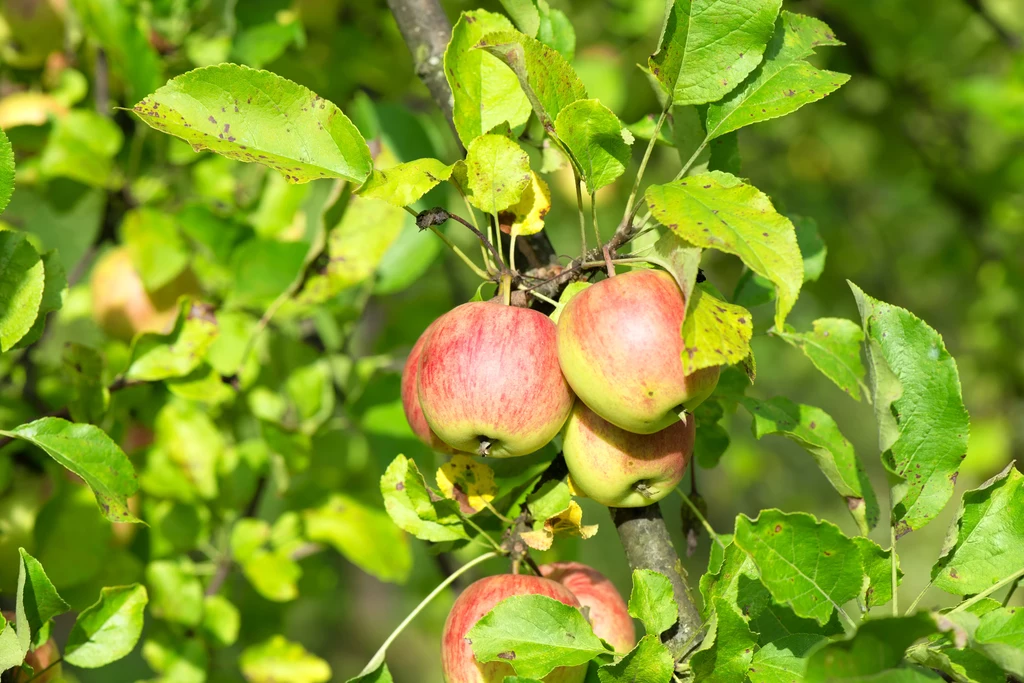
714,332
405,184
363,534
650,662
652,601
878,569
355,247
273,574
278,659
175,593
783,82
833,346
525,14
534,634
727,650
188,438
64,217
804,563
877,646
724,154
812,247
253,115
991,516
708,47
22,281
497,173
109,629
598,142
817,432
922,422
38,600
964,665
556,30
716,211
485,94
681,259
410,505
83,367
1000,636
643,129
115,26
83,147
92,455
382,675
157,249
783,660
6,171
550,499
177,656
55,287
162,356
545,76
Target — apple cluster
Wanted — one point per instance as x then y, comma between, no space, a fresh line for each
502,381
571,583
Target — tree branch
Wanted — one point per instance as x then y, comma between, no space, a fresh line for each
647,544
426,30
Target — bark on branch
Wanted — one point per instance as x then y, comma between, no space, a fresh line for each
647,544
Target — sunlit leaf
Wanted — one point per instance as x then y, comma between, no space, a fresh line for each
717,211
404,184
876,647
22,281
650,661
534,634
409,503
546,77
6,171
88,452
922,422
784,82
803,562
708,47
109,629
597,140
727,650
714,332
991,516
652,601
528,213
468,482
279,659
257,116
485,93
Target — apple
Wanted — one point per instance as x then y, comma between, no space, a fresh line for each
39,659
489,380
620,348
622,469
123,307
411,398
603,605
457,660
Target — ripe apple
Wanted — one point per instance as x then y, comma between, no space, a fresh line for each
39,659
123,307
457,660
620,347
603,605
489,380
411,398
622,469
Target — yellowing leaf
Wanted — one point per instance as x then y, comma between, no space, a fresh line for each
529,212
468,482
714,333
568,522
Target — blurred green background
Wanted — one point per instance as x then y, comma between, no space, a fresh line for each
914,172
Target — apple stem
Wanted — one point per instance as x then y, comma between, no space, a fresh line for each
485,446
506,288
378,658
643,489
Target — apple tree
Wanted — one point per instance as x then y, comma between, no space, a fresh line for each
202,276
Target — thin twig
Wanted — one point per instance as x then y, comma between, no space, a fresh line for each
438,215
703,520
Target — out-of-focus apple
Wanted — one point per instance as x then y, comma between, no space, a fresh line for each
123,307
